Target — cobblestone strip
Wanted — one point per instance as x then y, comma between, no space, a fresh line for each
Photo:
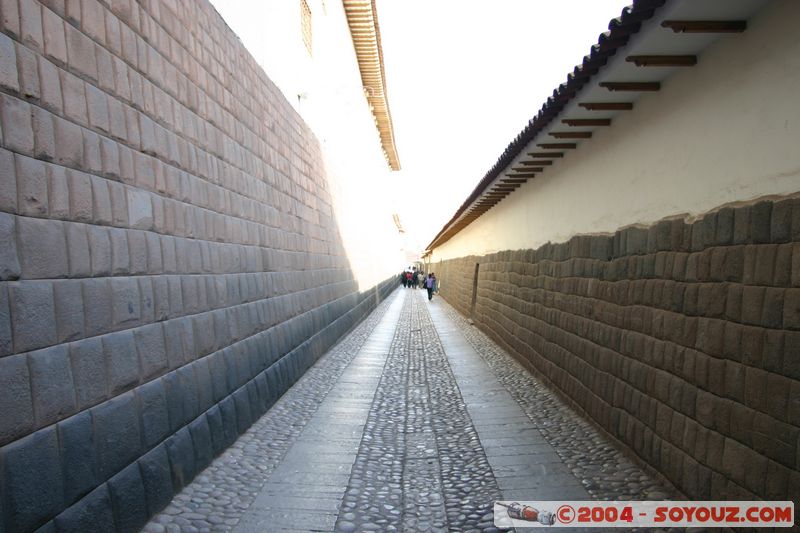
420,466
217,498
602,468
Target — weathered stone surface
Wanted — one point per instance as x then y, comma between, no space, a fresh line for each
32,480
33,312
51,384
128,499
77,456
43,248
92,513
89,371
9,259
16,399
155,416
117,435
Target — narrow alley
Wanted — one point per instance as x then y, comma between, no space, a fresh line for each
415,421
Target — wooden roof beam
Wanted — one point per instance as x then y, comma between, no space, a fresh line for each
587,121
548,155
705,26
559,146
662,61
631,85
571,134
607,106
529,169
536,163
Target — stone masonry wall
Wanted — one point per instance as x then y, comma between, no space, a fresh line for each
681,340
169,258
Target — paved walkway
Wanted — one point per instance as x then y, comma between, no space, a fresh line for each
416,421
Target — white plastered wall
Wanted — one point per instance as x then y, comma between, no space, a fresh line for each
724,131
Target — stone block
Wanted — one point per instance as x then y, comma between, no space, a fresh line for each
100,250
205,391
81,53
214,418
73,92
6,342
155,264
77,456
80,196
122,361
227,408
791,359
244,416
32,480
160,297
773,308
129,500
120,258
137,249
49,85
179,338
92,513
31,186
752,304
30,88
169,255
78,251
760,222
97,105
51,384
33,312
55,41
8,64
146,293
154,468
791,309
110,158
201,441
155,416
781,221
43,248
88,365
125,302
181,458
8,182
152,350
9,259
117,434
30,21
17,123
68,145
105,74
92,160
9,17
101,205
58,192
16,400
140,209
93,19
119,204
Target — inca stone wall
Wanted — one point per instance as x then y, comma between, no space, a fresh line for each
169,258
681,340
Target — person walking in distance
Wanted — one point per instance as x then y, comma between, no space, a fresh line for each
430,284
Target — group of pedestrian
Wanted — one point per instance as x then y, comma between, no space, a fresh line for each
413,279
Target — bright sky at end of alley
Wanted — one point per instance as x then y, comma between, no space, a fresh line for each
464,77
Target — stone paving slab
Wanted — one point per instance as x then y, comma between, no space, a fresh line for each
415,422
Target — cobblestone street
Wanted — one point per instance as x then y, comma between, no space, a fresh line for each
416,421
